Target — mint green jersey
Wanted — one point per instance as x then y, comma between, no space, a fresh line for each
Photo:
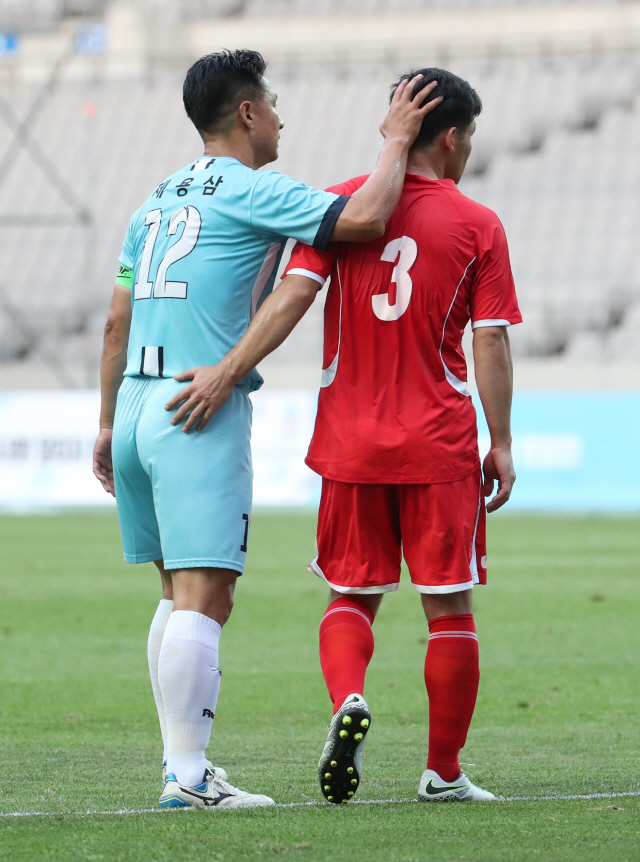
204,249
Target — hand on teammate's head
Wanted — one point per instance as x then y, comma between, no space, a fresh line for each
408,109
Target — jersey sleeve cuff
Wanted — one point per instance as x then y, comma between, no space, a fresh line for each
497,321
328,222
307,274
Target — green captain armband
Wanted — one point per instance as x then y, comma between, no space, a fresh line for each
125,277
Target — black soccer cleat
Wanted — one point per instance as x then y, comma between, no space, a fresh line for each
340,767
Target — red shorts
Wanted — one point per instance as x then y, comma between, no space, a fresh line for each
363,530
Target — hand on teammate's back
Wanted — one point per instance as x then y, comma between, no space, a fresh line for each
406,112
498,467
209,388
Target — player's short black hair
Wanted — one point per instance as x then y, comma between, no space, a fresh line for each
459,107
216,84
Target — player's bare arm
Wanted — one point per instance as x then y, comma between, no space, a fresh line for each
112,365
252,134
363,218
211,385
368,210
494,377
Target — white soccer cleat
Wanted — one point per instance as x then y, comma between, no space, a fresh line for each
340,767
434,789
214,792
218,771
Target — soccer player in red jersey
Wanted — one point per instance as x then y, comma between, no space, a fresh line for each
395,439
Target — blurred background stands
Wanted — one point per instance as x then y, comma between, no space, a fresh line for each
91,120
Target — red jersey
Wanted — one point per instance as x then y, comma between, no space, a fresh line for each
394,405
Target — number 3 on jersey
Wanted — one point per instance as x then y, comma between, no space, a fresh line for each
160,287
407,248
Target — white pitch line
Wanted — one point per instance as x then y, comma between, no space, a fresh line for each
573,796
312,804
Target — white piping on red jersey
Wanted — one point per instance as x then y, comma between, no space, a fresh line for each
459,385
307,274
477,324
329,373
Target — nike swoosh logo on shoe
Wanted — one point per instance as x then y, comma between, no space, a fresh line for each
430,790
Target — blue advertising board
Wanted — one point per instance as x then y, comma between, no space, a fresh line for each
574,450
8,43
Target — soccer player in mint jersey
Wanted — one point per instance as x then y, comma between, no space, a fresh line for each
396,438
199,257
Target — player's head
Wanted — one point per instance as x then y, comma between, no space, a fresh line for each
448,127
227,93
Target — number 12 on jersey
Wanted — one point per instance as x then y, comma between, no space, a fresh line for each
160,288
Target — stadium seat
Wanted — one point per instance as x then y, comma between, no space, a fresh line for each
548,121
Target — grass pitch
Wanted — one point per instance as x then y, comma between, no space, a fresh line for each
557,713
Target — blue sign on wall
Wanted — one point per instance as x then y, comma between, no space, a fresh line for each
8,43
574,450
90,39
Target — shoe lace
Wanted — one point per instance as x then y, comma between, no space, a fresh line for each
224,786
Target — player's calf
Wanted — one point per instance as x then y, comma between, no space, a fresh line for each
346,646
451,675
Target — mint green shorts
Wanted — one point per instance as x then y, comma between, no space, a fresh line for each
182,498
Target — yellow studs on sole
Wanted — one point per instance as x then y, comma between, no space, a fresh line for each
354,780
350,770
327,788
350,793
358,736
347,720
327,775
344,734
334,763
364,722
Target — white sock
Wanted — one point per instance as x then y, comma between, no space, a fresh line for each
154,643
189,681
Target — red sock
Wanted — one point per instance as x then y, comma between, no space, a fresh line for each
451,673
346,647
